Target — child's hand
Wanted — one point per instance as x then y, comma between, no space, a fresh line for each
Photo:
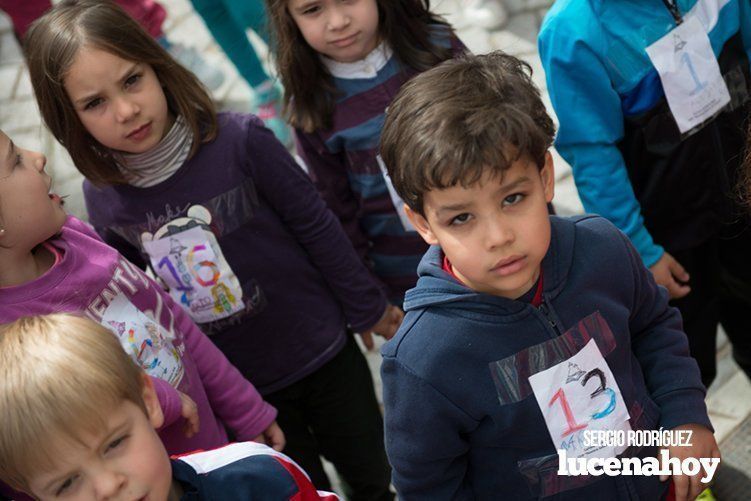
703,445
670,274
190,412
273,436
386,326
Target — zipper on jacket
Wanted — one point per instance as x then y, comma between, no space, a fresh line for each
545,310
672,6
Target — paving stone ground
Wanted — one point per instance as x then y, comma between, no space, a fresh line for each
729,399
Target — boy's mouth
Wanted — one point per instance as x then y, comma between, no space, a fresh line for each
509,265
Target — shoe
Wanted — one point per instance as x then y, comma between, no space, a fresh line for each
486,14
706,495
211,76
267,105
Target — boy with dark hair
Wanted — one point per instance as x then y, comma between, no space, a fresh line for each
525,331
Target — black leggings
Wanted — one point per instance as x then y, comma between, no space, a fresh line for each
334,413
720,271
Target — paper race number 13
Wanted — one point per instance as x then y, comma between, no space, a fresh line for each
577,394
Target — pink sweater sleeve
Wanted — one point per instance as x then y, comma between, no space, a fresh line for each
232,397
169,400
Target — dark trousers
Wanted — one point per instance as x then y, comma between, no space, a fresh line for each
720,271
334,413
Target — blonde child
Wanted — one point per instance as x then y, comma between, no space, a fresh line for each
341,64
80,423
229,222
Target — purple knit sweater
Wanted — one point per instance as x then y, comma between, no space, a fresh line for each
279,257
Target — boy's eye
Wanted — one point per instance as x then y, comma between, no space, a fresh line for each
93,103
513,199
65,486
116,443
132,80
460,219
19,160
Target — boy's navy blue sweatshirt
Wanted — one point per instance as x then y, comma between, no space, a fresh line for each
461,419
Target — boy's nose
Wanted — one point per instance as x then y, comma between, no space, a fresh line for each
498,234
107,484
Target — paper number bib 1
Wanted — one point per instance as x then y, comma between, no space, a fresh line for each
197,274
690,74
580,394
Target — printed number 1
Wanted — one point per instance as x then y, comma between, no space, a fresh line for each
180,285
571,423
685,58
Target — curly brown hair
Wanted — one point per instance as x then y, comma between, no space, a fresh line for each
51,46
450,124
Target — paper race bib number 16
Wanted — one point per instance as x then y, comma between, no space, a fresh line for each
197,274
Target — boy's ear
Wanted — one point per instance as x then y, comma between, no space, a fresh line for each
548,178
421,225
151,401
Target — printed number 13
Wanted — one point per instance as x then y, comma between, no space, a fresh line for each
571,424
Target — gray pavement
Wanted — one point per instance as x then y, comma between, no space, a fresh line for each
729,398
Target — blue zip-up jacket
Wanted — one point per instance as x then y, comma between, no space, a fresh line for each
461,419
630,162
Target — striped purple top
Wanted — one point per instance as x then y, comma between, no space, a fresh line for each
344,164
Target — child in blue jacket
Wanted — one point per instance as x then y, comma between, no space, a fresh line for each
652,98
525,331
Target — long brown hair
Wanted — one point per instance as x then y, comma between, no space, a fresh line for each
51,46
309,90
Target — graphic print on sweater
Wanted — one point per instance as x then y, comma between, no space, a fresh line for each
144,340
187,257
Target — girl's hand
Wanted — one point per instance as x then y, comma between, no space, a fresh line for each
703,445
273,436
189,411
670,274
386,326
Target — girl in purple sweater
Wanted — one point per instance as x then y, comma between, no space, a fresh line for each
235,230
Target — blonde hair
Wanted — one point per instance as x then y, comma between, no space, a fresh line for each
51,46
59,374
